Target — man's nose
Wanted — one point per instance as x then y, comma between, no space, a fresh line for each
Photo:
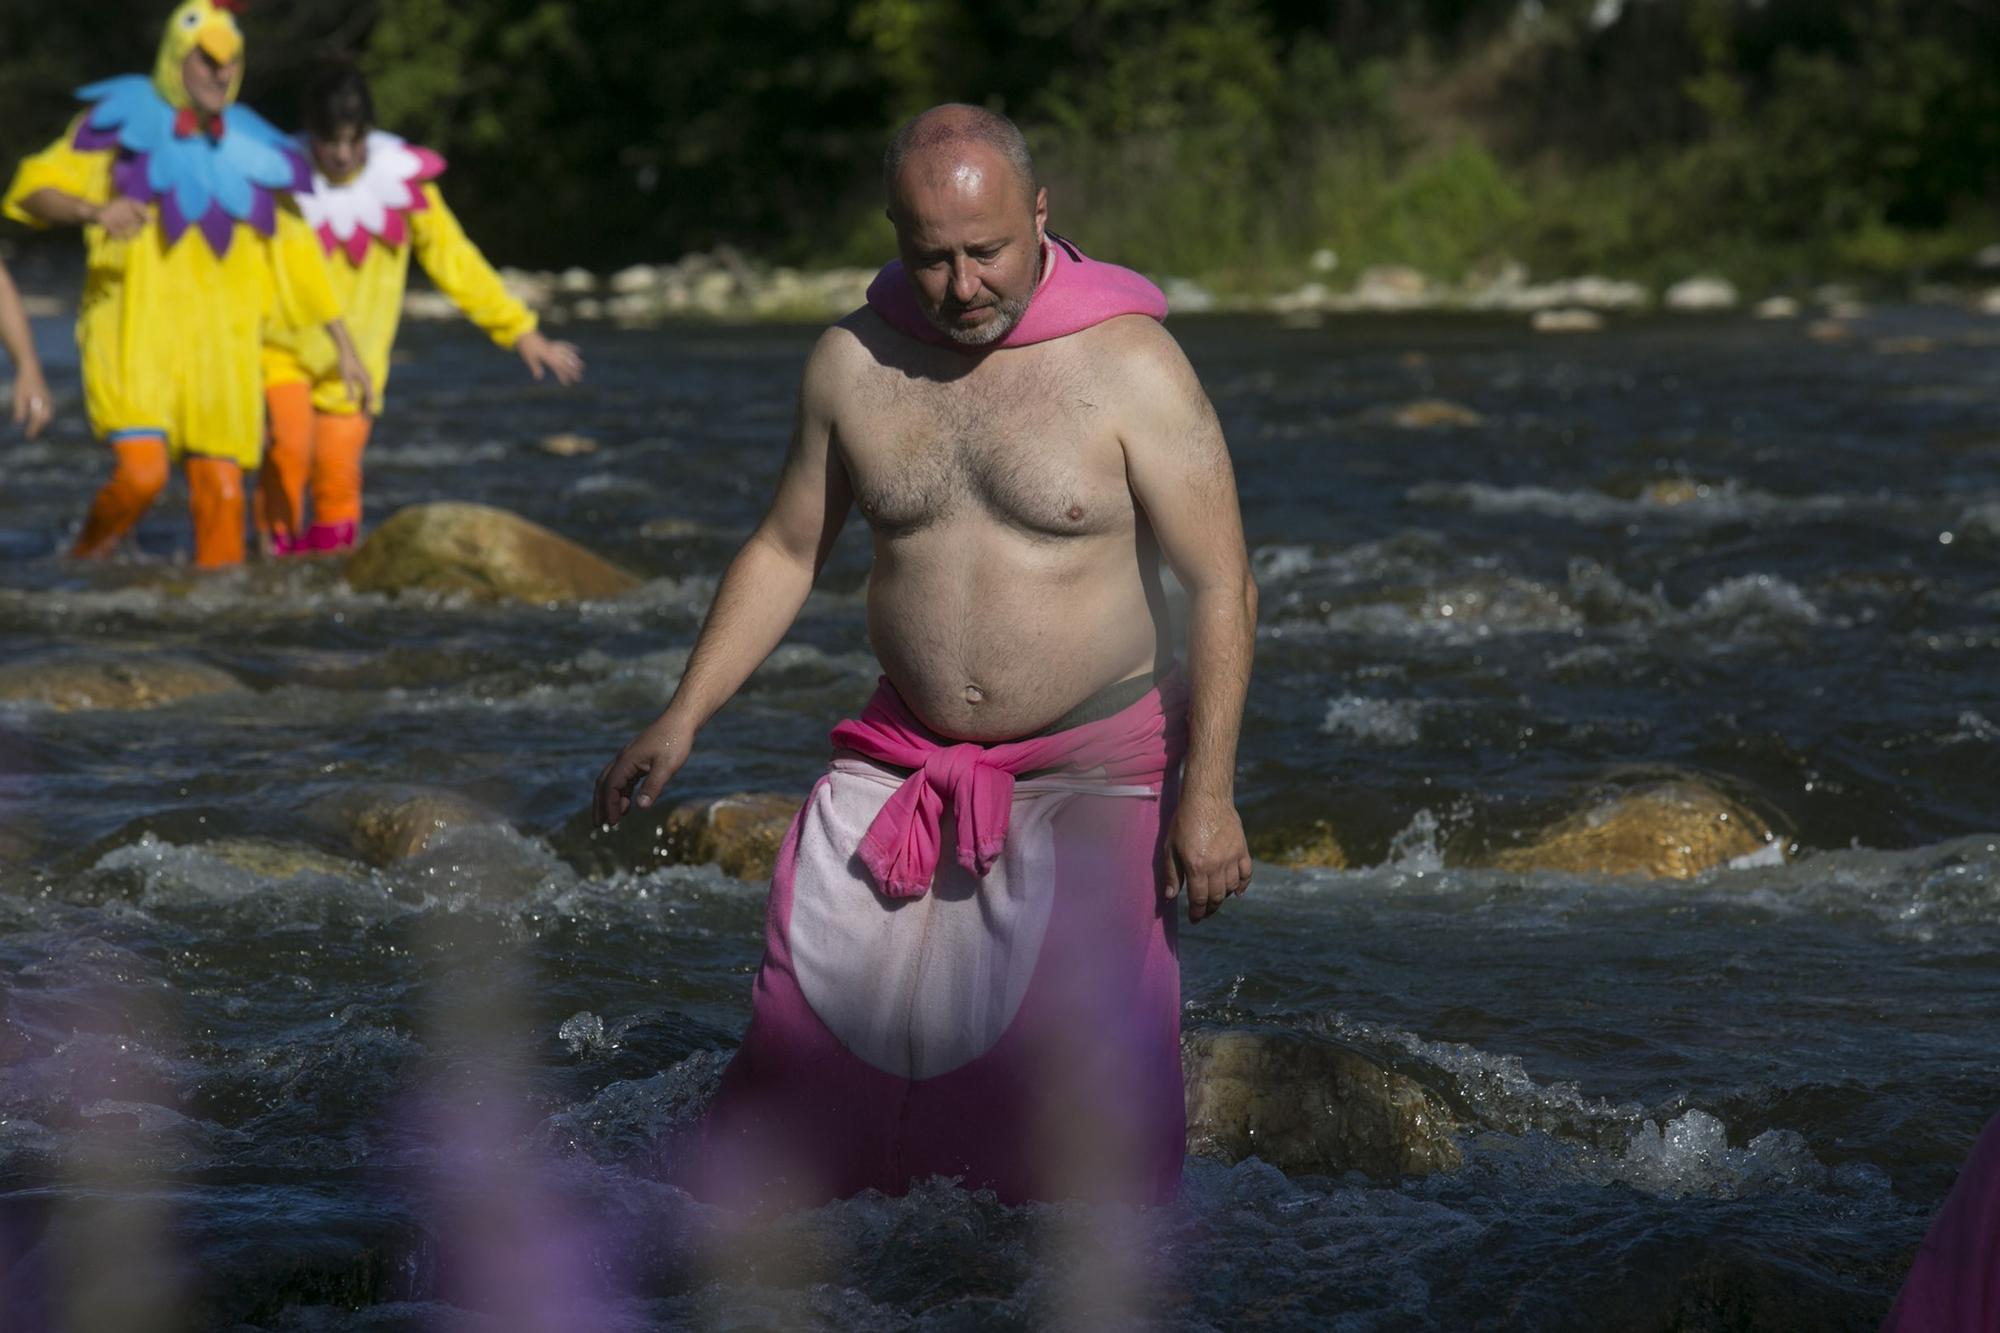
964,280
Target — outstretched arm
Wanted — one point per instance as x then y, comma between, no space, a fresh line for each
759,597
461,272
31,392
1180,472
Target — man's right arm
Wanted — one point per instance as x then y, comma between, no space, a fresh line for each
760,595
122,217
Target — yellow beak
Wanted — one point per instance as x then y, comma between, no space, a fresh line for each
219,38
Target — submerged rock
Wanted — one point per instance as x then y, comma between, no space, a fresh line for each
568,444
76,684
1777,307
385,825
1668,492
488,552
740,833
1669,830
269,859
1306,1105
1435,414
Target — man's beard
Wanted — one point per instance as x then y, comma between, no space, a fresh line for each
1006,314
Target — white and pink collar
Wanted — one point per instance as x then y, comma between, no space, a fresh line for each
376,202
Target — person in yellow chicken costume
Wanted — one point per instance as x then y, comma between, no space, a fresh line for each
192,246
374,202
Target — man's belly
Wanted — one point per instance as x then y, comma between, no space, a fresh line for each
989,643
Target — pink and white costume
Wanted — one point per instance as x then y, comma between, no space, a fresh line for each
1007,1014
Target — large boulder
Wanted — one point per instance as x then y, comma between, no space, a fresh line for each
1309,1106
740,833
1675,829
74,684
477,549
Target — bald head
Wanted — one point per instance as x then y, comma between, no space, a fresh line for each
969,220
945,140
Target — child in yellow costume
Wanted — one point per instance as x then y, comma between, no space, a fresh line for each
31,392
192,245
374,201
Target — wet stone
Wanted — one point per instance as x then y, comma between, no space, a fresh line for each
386,825
1315,845
77,684
483,551
1669,830
740,833
1309,1106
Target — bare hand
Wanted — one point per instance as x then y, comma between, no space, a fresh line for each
655,755
1205,850
122,218
32,408
545,356
353,374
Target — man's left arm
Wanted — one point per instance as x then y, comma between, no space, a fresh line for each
1179,469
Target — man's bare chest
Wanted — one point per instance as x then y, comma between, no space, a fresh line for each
1036,452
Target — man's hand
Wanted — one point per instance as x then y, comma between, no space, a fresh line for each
1205,849
122,218
543,356
353,370
655,755
32,408
355,376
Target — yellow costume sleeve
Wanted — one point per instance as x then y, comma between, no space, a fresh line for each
59,167
462,273
301,288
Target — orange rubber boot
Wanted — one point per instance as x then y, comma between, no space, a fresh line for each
280,502
136,481
215,495
338,441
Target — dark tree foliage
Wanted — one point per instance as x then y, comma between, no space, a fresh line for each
1208,135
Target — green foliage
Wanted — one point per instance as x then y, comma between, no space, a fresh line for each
1222,139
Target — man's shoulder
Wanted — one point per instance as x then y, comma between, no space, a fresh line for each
1133,353
1128,342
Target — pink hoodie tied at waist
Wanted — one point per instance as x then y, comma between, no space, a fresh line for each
1133,747
1075,293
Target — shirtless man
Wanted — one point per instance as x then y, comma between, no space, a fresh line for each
1021,498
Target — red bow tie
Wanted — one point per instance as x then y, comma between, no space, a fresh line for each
187,123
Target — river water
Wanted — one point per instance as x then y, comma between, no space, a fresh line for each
314,1095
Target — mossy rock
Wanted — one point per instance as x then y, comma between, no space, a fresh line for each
483,551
